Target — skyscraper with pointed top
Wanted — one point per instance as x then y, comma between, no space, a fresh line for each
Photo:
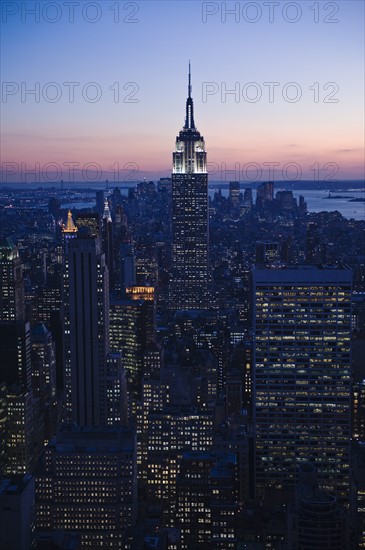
190,233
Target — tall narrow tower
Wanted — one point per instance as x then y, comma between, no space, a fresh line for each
89,329
189,280
11,283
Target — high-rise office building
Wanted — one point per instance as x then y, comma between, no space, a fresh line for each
166,434
358,411
108,242
190,234
100,202
22,422
285,201
91,220
94,380
302,327
44,377
127,266
86,482
12,306
315,520
69,232
267,252
206,495
88,485
15,353
21,452
48,302
155,395
88,314
234,193
315,247
132,327
116,391
264,194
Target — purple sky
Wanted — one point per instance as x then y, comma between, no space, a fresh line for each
110,83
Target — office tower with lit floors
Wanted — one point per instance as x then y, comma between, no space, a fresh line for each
69,232
89,321
88,485
315,520
44,377
206,498
302,359
12,306
87,480
132,331
190,230
19,415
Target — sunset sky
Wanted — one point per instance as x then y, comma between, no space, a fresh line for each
149,48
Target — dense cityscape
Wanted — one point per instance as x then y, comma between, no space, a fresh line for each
180,368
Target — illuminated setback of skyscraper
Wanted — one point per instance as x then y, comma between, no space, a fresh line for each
189,282
302,375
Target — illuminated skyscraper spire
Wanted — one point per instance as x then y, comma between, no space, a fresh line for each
189,120
189,89
107,214
70,227
189,156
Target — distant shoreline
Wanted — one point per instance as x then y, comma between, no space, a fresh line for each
330,187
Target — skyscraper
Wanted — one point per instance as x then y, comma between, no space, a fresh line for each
234,193
94,459
15,353
132,328
189,281
89,339
206,491
265,194
302,358
88,485
44,377
91,220
11,283
108,242
267,252
100,202
69,232
315,520
20,420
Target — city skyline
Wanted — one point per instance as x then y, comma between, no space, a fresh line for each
182,295
139,97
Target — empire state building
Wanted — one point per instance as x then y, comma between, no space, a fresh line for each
190,234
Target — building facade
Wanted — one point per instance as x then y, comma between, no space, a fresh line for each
88,485
12,305
190,233
302,327
88,311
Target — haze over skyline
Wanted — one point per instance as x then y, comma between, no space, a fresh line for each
143,59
